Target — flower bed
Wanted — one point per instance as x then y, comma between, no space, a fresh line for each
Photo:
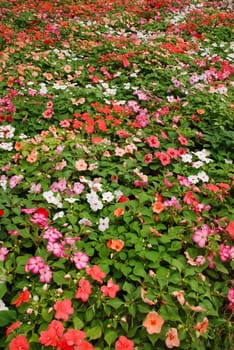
116,184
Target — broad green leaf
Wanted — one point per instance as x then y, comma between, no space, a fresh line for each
110,336
94,333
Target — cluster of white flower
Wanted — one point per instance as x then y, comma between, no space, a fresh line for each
201,176
7,131
6,146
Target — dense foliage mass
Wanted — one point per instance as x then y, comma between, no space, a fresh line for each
117,177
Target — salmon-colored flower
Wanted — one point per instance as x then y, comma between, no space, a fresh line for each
12,327
19,343
96,273
84,290
124,343
158,207
115,244
145,299
118,212
110,289
81,165
201,327
153,323
230,229
172,339
180,296
63,309
32,157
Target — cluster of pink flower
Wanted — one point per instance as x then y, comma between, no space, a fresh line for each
37,265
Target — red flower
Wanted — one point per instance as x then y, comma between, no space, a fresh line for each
12,327
22,298
110,289
1,212
73,337
19,343
96,273
63,309
84,290
124,343
42,211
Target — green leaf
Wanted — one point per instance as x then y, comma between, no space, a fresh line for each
7,317
58,277
94,333
110,337
162,276
46,316
139,270
89,314
3,290
115,303
78,323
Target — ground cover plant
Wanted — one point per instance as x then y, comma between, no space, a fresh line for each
116,183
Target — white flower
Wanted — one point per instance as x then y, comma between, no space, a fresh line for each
6,131
50,198
3,307
197,164
58,215
107,196
3,182
118,194
103,224
193,179
85,222
97,205
186,158
203,176
92,197
7,146
71,200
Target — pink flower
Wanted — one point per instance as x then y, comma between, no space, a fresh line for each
45,274
180,296
3,253
19,343
172,339
52,234
153,323
110,289
84,290
153,141
224,252
183,140
63,309
200,236
81,260
35,264
163,157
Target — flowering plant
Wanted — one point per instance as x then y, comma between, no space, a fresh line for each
116,212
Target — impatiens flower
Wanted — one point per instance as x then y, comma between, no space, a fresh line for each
103,224
3,307
49,337
201,327
195,308
81,165
124,343
118,212
153,322
153,141
12,327
110,289
158,207
200,236
81,260
63,309
115,244
84,290
230,229
1,212
3,253
96,273
73,337
23,297
19,343
180,296
172,339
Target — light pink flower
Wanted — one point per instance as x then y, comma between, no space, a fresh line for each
81,260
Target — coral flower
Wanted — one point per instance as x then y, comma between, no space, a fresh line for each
124,343
158,207
96,273
201,327
84,290
172,339
110,289
153,323
12,327
118,212
63,309
230,229
19,343
115,244
22,298
81,165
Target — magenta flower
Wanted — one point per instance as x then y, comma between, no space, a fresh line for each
45,274
81,260
35,264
